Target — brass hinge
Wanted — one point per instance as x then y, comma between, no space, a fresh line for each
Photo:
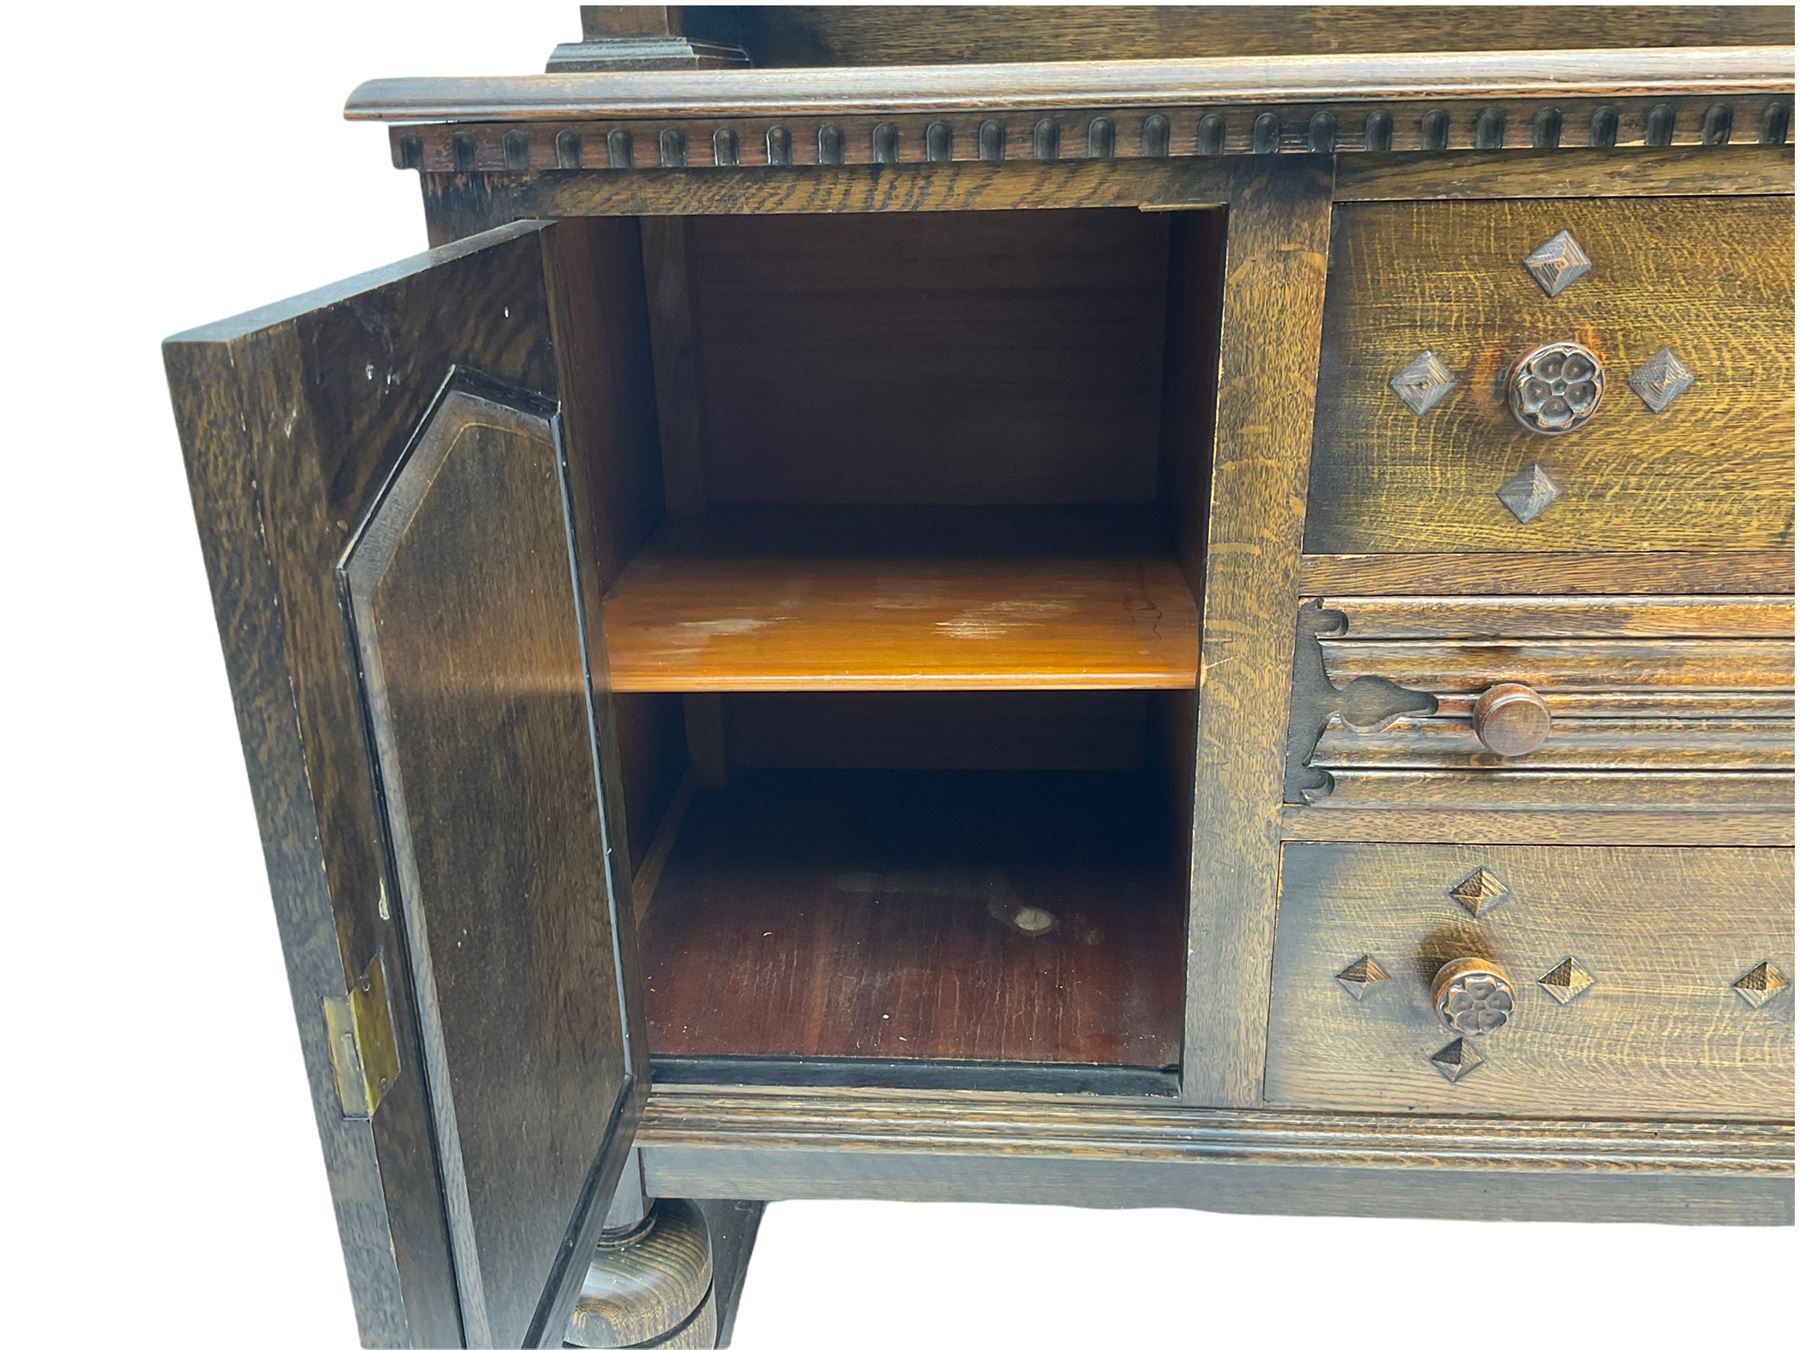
359,1028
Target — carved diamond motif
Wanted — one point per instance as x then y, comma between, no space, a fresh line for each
1457,1059
1480,892
1423,384
1557,263
1360,976
1567,982
1757,985
1528,493
1660,380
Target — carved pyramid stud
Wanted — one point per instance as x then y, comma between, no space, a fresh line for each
1360,976
1757,985
1480,892
1457,1059
1567,982
1423,384
1557,263
1528,493
1660,380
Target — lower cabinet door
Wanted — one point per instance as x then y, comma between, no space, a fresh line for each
1550,982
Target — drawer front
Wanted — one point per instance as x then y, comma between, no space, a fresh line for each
1443,464
1642,980
1615,702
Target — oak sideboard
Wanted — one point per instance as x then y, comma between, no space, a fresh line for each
1115,607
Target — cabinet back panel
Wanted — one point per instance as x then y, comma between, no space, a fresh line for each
1038,730
979,358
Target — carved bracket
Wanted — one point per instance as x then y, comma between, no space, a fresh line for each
1367,703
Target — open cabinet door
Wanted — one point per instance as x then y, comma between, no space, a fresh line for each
400,546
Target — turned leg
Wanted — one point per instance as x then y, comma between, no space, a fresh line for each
665,1272
651,1284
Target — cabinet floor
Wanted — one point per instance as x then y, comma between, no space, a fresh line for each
1032,918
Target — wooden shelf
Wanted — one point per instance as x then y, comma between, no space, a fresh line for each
996,917
903,598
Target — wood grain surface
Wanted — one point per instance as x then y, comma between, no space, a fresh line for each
1034,1149
1413,77
999,138
292,417
1031,918
910,358
1672,573
1277,232
1566,664
1662,932
1646,172
858,35
1581,824
906,599
1512,618
652,1285
1710,279
475,670
1681,703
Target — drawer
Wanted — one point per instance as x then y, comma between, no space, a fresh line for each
1432,306
1640,980
1562,702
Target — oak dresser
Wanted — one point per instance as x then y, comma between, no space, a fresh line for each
1117,607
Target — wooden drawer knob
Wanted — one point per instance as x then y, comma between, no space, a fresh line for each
1472,996
1512,719
1556,389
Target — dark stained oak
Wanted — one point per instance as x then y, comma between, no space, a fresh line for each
651,1284
1768,571
1658,703
1654,1026
1229,81
1008,389
296,419
1577,823
915,358
1277,232
1647,172
1035,1149
862,35
1511,719
1710,279
470,634
901,599
1028,918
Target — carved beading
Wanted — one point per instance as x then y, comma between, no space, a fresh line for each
1095,133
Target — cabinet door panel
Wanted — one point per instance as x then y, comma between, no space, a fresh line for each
402,566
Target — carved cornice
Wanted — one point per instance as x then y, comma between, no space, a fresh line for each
1420,78
1024,134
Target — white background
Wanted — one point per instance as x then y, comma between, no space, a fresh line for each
173,163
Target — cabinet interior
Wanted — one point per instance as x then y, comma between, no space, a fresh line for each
901,588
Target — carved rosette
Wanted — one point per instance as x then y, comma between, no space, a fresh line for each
1556,389
1472,997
